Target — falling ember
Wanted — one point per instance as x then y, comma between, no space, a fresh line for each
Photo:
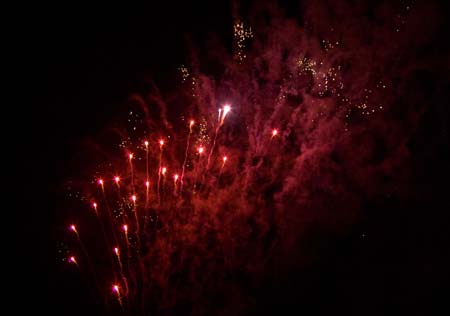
163,170
116,251
161,142
224,160
130,156
133,198
94,205
146,143
175,178
274,133
72,259
200,150
147,184
125,228
116,289
100,181
73,228
191,123
117,179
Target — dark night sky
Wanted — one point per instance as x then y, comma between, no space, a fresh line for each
81,61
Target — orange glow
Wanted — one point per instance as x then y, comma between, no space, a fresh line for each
146,143
117,179
116,288
133,198
274,133
125,228
72,259
164,170
224,159
94,205
100,181
161,142
72,227
200,150
130,156
175,177
116,250
147,184
191,123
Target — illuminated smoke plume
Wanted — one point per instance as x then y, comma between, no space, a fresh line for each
320,112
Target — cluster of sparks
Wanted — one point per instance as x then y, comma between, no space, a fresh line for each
241,35
184,72
126,220
328,81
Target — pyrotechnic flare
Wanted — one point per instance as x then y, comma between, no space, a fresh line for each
73,260
116,251
130,156
127,243
108,209
161,144
100,181
133,198
136,217
125,230
117,291
94,205
274,133
191,123
146,160
73,228
226,109
147,188
86,254
224,160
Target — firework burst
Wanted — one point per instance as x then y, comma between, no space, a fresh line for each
270,154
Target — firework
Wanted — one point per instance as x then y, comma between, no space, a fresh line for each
250,173
191,123
73,260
